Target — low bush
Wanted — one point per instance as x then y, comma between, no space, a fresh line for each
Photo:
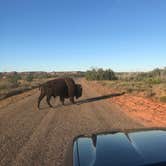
163,99
149,93
2,87
14,79
153,80
129,90
100,74
29,78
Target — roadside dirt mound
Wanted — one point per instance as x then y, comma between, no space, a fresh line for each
150,113
15,98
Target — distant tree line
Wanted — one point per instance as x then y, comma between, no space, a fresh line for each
14,79
100,74
155,76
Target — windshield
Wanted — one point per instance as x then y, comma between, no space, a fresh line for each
77,67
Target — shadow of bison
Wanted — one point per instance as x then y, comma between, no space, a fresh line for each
62,87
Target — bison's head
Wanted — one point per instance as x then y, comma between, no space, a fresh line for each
78,91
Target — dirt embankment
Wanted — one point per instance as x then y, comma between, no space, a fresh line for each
149,112
15,98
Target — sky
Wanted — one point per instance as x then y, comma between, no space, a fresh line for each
70,35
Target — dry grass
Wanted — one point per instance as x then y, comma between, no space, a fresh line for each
140,88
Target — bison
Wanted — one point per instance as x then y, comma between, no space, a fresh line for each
62,87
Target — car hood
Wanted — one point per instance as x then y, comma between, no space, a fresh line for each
121,148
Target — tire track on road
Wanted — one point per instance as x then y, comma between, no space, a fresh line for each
32,146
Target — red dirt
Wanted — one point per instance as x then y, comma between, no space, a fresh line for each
148,112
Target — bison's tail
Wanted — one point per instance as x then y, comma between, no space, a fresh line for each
40,87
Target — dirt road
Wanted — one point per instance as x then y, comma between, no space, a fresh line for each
30,137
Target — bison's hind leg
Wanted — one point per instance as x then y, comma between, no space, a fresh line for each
40,98
62,100
48,101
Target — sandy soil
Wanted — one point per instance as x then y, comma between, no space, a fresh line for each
147,111
40,138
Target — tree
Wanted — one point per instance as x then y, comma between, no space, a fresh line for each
14,78
29,78
100,74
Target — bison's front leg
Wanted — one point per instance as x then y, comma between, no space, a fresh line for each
72,100
48,101
40,98
62,100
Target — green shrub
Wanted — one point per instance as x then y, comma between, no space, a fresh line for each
156,75
103,83
153,80
100,74
3,87
42,76
129,90
163,99
29,78
14,79
150,93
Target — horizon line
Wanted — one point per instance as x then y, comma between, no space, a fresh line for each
66,71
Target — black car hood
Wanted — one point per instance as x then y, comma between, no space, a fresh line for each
121,149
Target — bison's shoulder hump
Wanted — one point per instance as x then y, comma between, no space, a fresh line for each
71,86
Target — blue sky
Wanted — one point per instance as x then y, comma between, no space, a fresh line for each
60,35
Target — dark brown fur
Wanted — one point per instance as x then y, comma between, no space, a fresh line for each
62,87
